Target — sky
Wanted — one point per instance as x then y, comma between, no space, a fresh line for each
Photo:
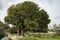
51,6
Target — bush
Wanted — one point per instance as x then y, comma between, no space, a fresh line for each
2,33
9,39
27,34
43,35
13,30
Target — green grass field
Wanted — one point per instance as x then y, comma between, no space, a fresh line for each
52,38
40,39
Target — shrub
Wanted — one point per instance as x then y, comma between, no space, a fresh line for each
2,33
9,39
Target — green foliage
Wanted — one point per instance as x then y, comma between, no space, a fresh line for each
9,39
4,26
2,33
13,30
56,29
3,29
53,38
40,35
27,15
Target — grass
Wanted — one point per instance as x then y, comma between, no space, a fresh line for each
11,35
39,39
53,38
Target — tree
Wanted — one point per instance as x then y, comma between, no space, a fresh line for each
2,33
4,25
56,29
3,29
43,20
27,15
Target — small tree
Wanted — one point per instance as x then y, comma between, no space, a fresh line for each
57,28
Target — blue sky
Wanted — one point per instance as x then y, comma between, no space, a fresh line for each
51,6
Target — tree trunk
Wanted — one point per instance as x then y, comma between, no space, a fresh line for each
22,31
18,32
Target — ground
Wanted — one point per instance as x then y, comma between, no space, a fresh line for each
16,37
36,38
53,38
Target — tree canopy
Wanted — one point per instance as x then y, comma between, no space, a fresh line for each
27,15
